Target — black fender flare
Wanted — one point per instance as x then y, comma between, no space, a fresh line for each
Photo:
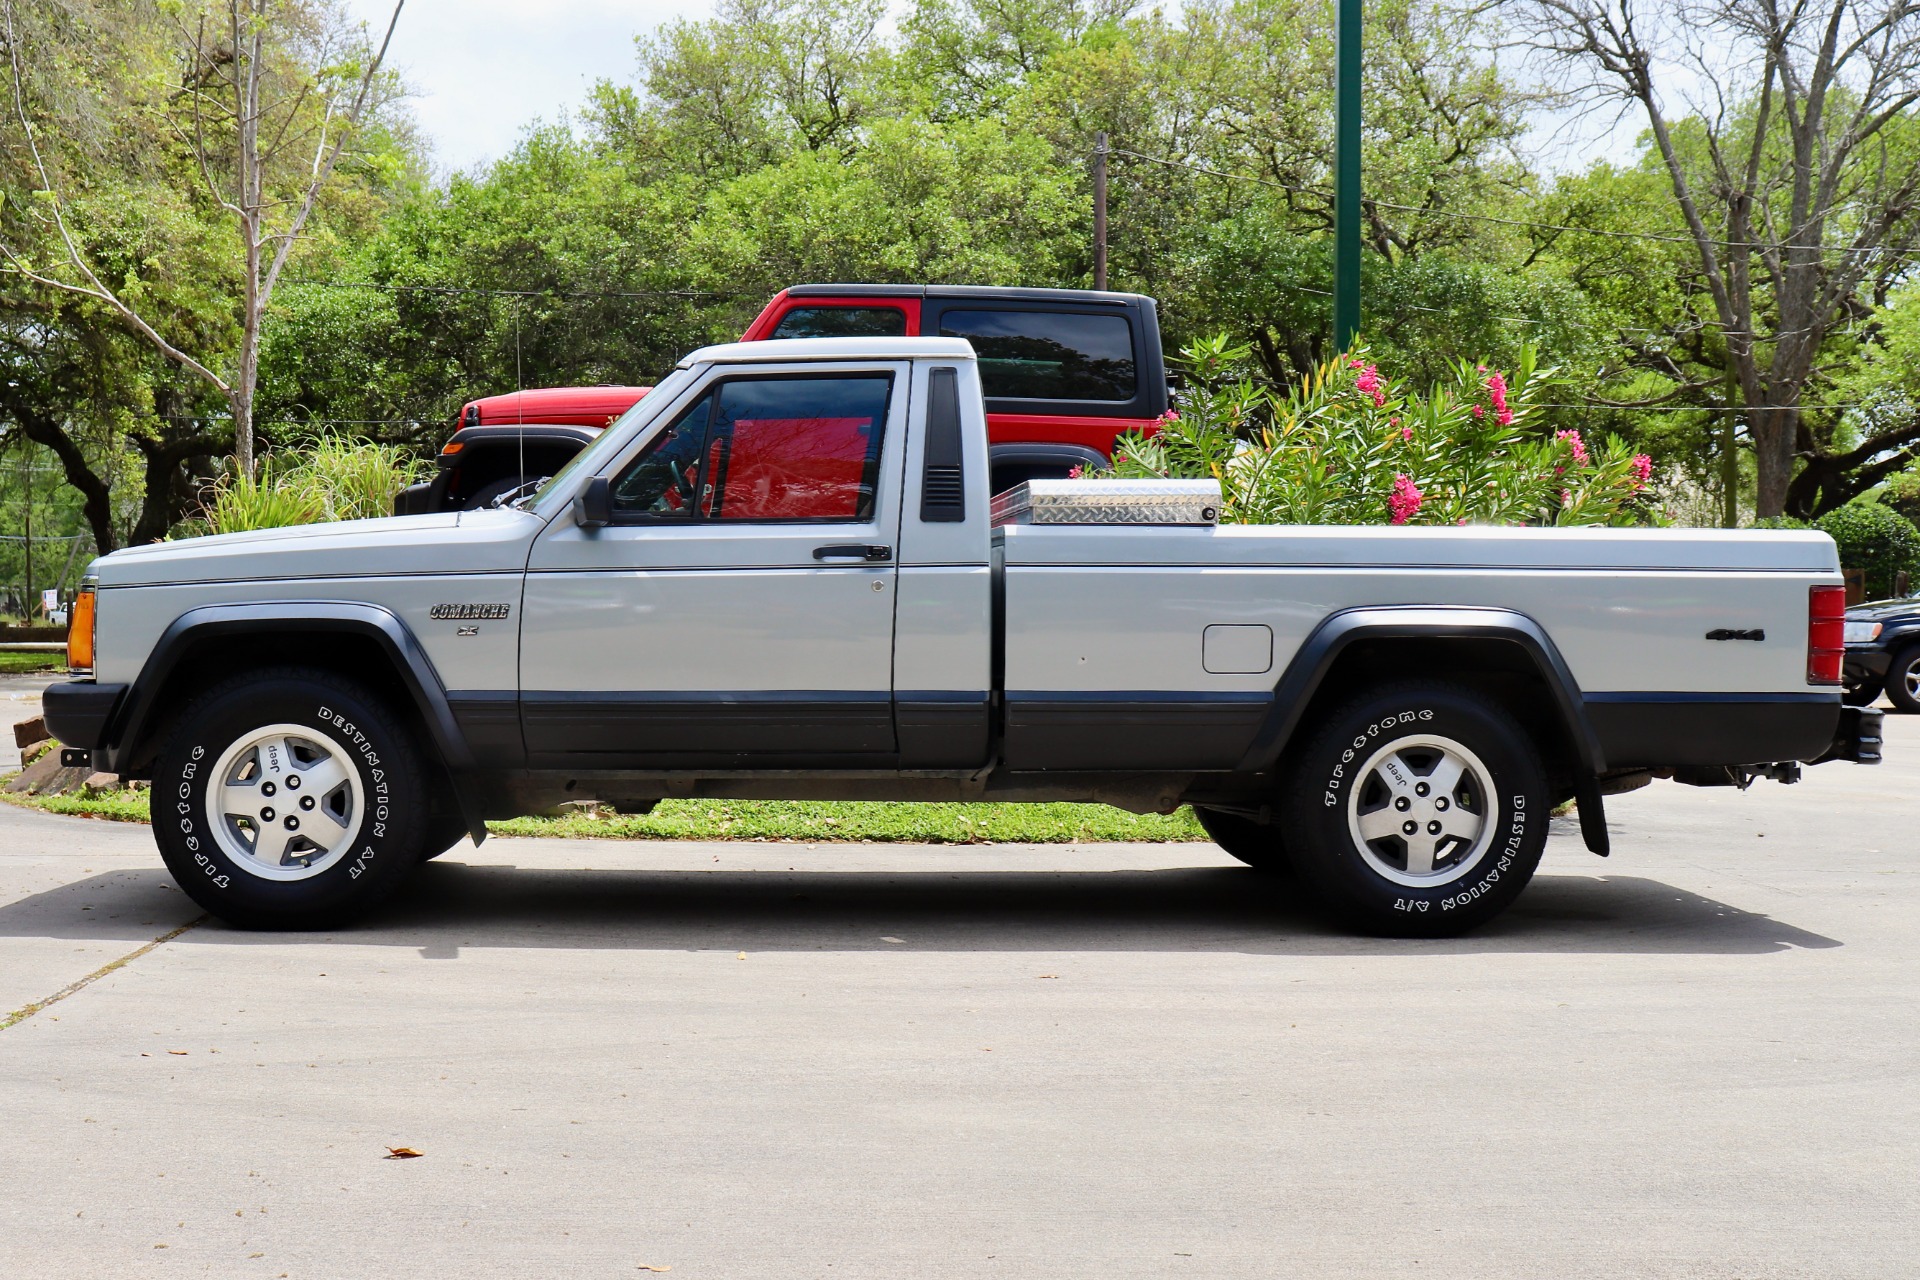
130,727
1317,654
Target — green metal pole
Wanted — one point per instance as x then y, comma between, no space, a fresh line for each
1346,175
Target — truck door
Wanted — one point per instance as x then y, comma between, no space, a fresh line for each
738,612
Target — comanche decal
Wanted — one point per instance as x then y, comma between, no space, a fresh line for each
469,612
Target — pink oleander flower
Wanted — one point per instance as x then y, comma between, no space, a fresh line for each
1406,433
1461,520
1578,446
1404,502
1479,411
1497,392
1368,384
1566,497
1075,473
1642,471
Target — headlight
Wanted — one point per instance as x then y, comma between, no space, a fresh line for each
1862,632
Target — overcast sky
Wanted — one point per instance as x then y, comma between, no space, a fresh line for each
482,70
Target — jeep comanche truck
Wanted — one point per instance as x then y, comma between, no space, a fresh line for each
1065,372
778,576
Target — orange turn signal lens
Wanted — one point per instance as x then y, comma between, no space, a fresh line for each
80,631
452,447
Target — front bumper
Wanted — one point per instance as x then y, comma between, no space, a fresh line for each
79,711
1867,664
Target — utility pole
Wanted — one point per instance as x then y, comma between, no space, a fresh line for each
1346,175
1100,211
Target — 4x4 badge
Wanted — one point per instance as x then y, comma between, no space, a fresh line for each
469,612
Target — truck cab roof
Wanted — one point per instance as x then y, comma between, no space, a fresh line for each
790,349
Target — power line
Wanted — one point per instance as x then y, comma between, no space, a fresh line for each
681,294
1510,222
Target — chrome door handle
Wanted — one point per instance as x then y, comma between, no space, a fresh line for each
871,553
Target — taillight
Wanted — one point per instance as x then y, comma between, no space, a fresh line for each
1826,634
80,631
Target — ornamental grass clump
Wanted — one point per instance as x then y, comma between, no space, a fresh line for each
1349,445
339,479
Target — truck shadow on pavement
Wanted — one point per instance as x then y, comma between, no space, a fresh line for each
451,906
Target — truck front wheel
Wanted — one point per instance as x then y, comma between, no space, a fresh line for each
289,799
1418,810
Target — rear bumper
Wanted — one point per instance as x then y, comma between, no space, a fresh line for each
1660,730
79,711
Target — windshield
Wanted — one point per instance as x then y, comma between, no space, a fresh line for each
589,458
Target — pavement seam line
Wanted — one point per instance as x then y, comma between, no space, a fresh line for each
27,1011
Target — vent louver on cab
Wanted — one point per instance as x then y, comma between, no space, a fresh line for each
943,484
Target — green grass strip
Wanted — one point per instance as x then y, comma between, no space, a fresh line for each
814,822
16,662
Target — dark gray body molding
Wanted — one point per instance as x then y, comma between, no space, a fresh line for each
128,731
1335,634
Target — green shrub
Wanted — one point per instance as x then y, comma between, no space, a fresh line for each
1903,494
1875,539
340,479
1351,446
240,504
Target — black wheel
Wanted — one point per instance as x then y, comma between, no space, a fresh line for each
488,492
1417,810
1257,844
289,799
1903,680
1863,691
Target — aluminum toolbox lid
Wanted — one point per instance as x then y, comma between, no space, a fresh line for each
1161,502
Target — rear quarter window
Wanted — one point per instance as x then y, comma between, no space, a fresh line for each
1041,355
842,322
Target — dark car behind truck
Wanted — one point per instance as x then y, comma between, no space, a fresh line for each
1066,372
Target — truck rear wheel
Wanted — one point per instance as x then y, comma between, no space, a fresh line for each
289,799
1257,844
1418,810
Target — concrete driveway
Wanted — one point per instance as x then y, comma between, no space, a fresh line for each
1697,1059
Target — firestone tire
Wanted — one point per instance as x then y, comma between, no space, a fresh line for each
1257,844
1903,680
289,799
1417,810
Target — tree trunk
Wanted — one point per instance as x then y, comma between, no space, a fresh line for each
96,501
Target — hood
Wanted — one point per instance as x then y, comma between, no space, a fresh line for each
488,541
1885,610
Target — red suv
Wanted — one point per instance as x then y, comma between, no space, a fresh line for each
1065,371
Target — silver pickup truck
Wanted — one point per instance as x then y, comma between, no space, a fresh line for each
779,576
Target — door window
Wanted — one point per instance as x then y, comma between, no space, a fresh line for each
1048,355
842,322
787,448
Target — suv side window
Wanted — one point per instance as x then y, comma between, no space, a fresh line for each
779,448
1042,355
842,322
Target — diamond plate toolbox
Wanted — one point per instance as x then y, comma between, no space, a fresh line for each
1162,502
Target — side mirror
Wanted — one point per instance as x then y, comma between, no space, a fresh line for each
593,505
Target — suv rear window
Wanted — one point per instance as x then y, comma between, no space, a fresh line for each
1041,355
842,322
